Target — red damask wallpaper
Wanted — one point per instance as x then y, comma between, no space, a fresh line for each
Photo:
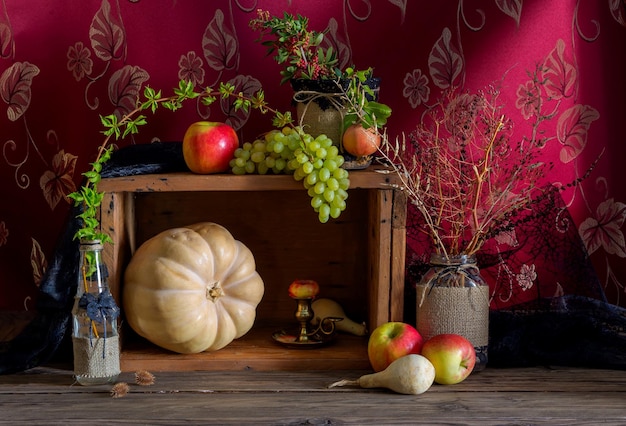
560,63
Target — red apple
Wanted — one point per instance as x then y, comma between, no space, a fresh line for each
453,357
359,141
303,289
208,147
390,341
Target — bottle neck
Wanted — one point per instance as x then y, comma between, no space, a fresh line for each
92,272
90,245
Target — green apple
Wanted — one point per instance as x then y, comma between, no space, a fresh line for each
452,355
208,147
390,341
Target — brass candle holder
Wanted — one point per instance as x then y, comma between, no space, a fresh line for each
304,292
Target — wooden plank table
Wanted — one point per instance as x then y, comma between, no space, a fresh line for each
537,396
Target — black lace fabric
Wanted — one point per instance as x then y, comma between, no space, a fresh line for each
547,304
547,308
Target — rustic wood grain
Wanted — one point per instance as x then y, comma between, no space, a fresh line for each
370,178
541,396
398,256
114,210
379,231
254,351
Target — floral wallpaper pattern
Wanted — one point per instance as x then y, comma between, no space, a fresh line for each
559,63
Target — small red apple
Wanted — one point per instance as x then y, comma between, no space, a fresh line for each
452,355
390,341
208,147
359,141
303,289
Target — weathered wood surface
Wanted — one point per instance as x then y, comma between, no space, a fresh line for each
254,351
559,396
373,177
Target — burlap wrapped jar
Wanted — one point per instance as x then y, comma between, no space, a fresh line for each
452,297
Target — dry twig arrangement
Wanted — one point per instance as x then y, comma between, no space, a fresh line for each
463,173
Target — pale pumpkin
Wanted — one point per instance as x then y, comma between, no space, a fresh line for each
192,289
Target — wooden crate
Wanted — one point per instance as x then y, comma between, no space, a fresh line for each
357,259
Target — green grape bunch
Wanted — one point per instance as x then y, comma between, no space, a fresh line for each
315,162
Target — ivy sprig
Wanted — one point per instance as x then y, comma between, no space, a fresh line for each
359,109
91,199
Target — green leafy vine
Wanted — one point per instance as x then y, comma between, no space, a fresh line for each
360,108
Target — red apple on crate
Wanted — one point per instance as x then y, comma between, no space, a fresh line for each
390,341
208,147
452,355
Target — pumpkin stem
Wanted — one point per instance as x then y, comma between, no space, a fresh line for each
214,291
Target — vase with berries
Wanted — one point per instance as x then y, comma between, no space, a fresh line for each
328,99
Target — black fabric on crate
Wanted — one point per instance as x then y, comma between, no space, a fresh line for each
161,157
51,327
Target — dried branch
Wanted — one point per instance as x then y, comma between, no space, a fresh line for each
462,172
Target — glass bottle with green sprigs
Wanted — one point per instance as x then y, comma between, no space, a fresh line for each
95,336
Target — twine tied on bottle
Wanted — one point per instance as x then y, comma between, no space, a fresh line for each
320,113
323,100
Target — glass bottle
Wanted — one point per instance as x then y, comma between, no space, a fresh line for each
452,297
94,333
